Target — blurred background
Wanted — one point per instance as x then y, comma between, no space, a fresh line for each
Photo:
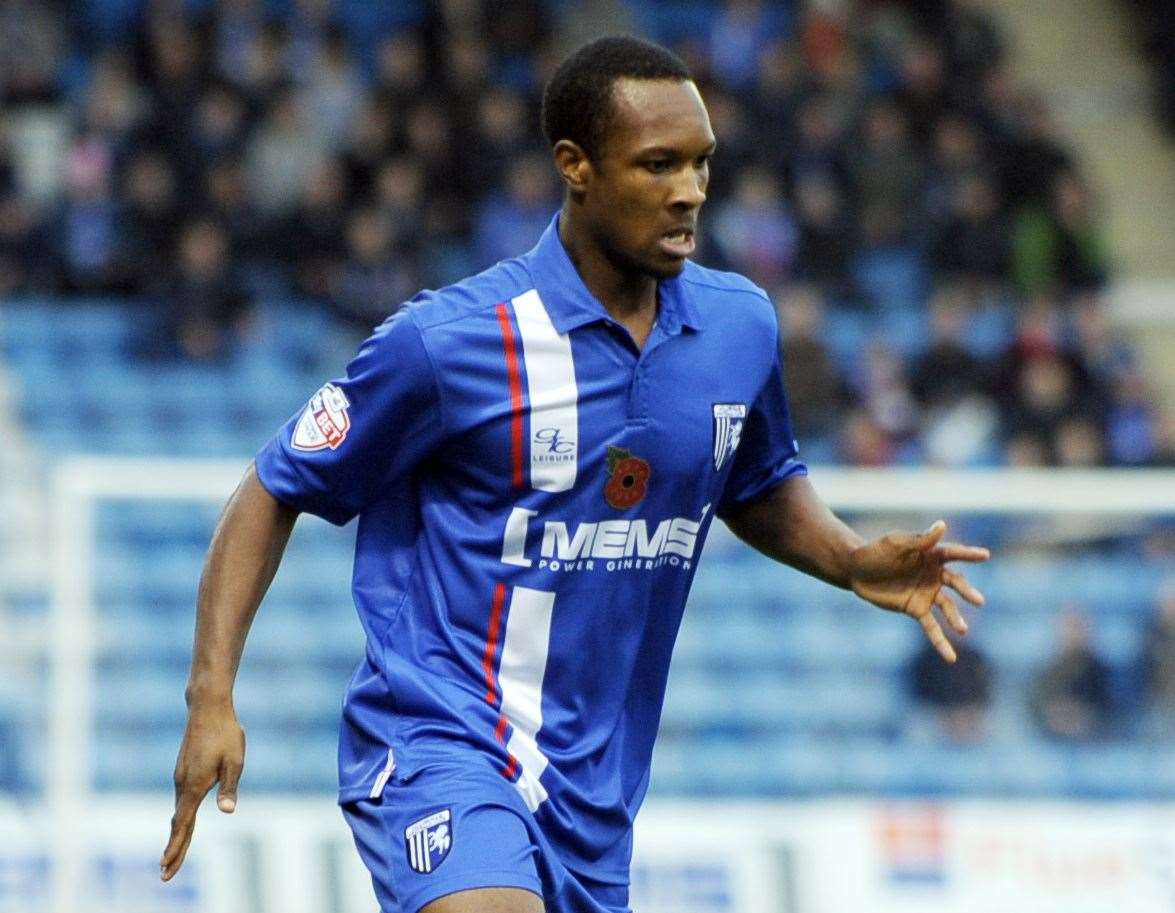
963,210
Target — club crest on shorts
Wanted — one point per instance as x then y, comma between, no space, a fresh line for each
325,421
728,430
428,841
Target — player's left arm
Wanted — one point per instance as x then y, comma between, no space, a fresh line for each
900,572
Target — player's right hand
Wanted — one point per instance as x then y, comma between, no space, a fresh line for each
213,751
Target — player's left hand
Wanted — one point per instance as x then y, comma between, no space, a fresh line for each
908,573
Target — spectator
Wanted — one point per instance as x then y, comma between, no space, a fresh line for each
114,108
238,28
755,230
958,695
313,236
974,242
973,42
1060,247
8,164
33,50
881,388
401,72
400,193
429,138
956,156
230,203
499,133
824,38
1039,384
267,71
23,263
174,67
305,27
373,281
1156,667
780,86
1081,256
513,221
280,156
947,371
950,384
88,232
1026,142
467,70
332,92
824,234
1079,443
217,132
205,307
886,171
152,217
1026,450
368,144
1071,698
815,392
864,443
739,34
1046,396
1133,421
1159,43
817,149
888,269
1104,349
923,94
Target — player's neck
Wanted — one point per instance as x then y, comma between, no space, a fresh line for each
629,296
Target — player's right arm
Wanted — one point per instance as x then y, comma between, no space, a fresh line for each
246,549
355,438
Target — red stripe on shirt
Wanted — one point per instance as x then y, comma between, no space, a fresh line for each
487,665
487,661
515,379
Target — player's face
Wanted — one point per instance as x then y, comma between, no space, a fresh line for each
648,183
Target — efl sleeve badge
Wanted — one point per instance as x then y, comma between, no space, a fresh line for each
325,422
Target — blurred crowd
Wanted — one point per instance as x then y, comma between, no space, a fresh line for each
1078,696
934,248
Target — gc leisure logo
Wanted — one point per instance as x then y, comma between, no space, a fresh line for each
549,445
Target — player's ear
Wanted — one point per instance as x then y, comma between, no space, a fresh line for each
573,165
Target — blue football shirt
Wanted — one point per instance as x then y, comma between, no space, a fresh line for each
533,493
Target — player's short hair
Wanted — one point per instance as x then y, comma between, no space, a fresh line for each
577,102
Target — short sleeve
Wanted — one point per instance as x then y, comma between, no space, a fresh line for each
361,432
768,453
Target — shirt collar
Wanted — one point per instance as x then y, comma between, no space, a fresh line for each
571,305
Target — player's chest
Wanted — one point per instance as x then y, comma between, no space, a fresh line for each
588,412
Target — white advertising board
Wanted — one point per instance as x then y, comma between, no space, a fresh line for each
833,856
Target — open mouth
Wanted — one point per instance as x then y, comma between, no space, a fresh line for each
678,243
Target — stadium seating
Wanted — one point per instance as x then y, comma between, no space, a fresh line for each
780,685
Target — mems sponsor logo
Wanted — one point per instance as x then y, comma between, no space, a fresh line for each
611,545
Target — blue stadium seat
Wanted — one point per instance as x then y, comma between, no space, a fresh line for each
143,759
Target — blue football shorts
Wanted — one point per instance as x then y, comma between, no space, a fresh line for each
458,826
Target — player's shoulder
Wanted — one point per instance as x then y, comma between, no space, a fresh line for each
728,295
470,299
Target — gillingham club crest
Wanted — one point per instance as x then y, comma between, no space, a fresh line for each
428,841
728,430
